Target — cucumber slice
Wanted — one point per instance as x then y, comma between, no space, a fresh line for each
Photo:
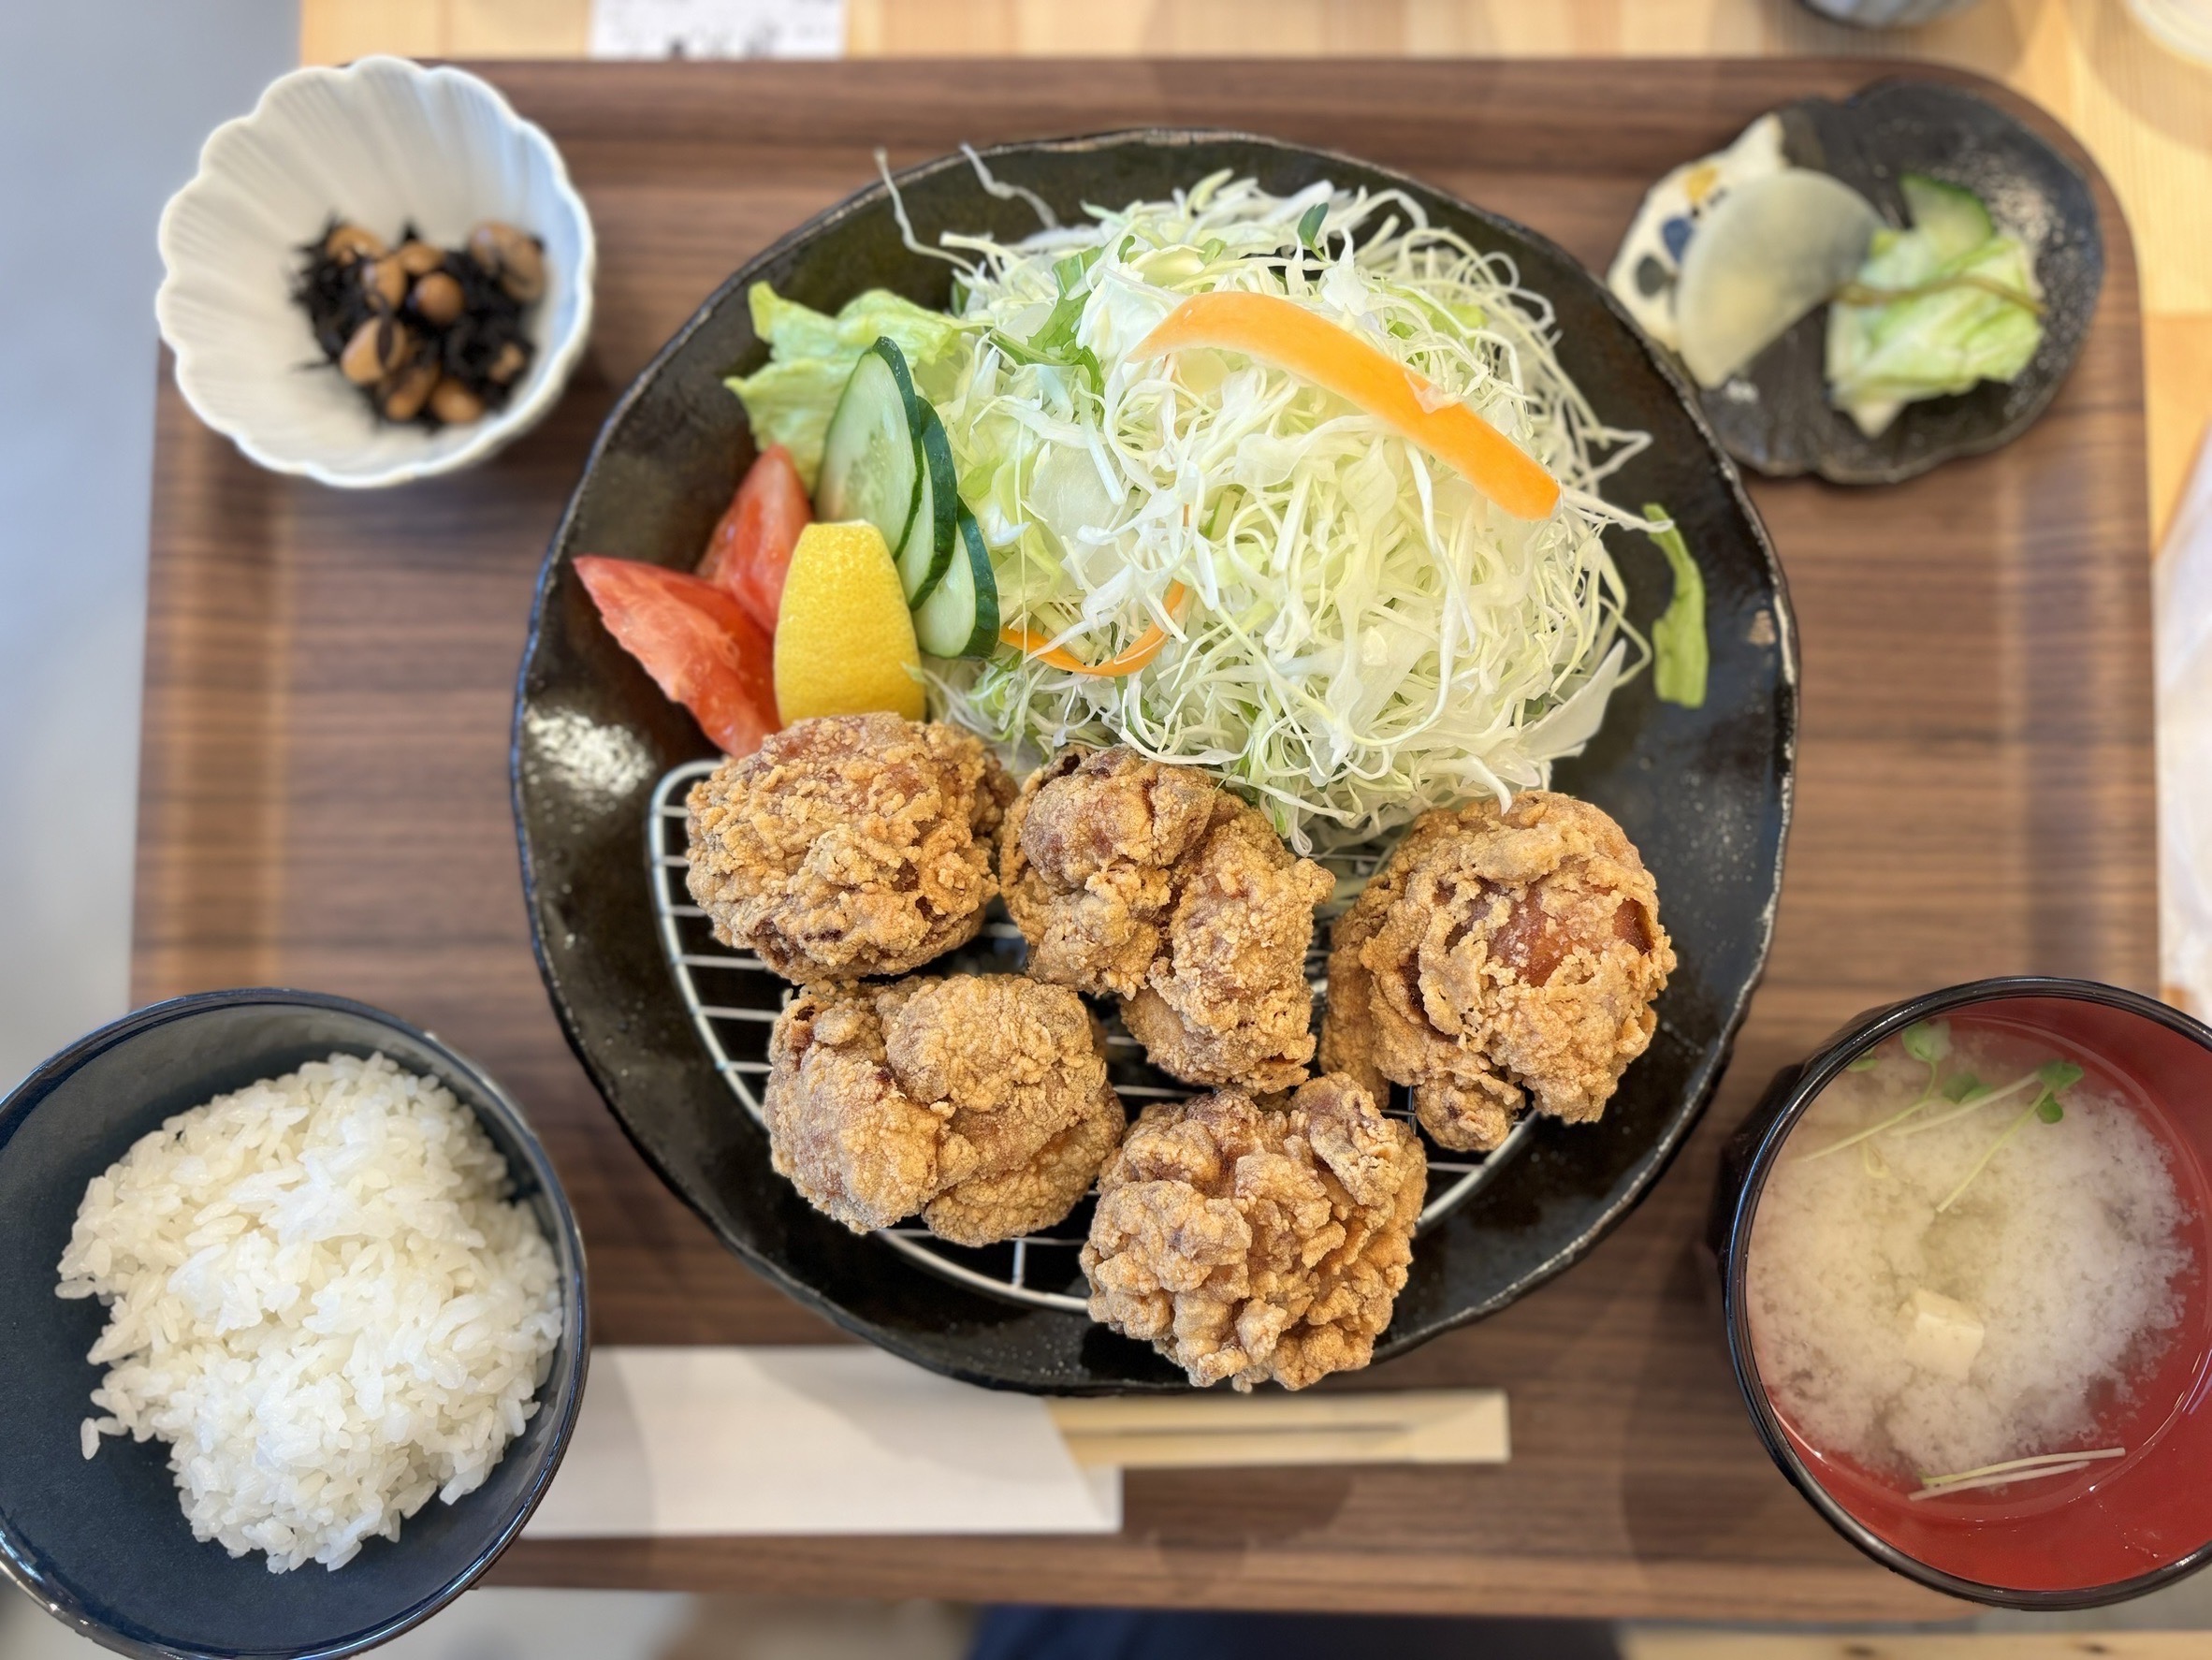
926,553
871,455
961,618
1954,219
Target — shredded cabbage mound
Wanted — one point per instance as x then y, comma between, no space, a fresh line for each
1364,635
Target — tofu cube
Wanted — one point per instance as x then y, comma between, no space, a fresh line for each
1942,1335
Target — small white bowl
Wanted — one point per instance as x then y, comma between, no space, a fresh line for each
380,142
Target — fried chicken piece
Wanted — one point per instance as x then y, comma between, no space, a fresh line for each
1143,879
1500,958
1227,1002
1252,1244
979,1102
1037,1191
848,846
1088,857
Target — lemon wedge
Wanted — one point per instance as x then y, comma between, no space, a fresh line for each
844,637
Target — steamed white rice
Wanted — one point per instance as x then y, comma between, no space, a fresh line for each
321,1301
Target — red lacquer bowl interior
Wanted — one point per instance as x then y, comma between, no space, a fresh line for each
2121,1519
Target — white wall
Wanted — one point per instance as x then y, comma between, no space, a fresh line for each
103,105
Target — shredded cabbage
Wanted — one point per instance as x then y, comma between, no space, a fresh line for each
1364,635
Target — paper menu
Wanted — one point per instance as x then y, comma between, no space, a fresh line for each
718,28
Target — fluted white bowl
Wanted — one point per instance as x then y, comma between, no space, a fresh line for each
380,142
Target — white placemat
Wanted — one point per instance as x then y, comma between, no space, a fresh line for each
813,1440
2183,587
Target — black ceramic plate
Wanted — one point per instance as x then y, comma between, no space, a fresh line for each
1775,415
1705,793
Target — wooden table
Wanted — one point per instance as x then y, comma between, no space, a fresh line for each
324,803
2145,114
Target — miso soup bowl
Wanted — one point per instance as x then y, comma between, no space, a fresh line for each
2115,1530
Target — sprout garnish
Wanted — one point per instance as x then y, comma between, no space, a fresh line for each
2017,1469
1926,1042
2054,1075
1929,1041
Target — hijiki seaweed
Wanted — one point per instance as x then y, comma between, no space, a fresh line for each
430,335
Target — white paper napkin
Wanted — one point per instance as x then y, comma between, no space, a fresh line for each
817,1440
2183,585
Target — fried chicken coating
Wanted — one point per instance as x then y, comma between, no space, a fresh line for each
1088,857
1143,879
980,1103
1253,1244
1227,1002
848,846
1501,959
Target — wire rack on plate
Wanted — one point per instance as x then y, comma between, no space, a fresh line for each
734,1000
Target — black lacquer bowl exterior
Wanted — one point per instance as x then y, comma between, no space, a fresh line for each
1705,793
2148,1522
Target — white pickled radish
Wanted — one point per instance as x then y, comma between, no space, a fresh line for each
1772,250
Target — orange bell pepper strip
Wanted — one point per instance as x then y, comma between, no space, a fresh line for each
1284,333
1140,651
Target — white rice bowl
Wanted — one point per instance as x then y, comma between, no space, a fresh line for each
321,1300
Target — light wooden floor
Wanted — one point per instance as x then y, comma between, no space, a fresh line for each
2146,115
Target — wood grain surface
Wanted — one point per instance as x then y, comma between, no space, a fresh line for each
2145,114
324,803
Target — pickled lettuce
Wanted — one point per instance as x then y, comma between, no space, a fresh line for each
1933,311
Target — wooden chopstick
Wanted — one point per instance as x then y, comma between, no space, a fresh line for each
1404,1427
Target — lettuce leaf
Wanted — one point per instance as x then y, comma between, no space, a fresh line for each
789,400
1948,325
1680,656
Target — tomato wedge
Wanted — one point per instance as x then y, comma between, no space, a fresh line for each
702,647
750,548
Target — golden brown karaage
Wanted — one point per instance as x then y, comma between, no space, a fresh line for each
849,846
1131,877
1500,958
1088,857
1248,1243
979,1102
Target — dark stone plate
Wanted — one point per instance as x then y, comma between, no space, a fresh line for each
1705,793
1774,415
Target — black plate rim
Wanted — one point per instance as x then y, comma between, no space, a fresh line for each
1705,1083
